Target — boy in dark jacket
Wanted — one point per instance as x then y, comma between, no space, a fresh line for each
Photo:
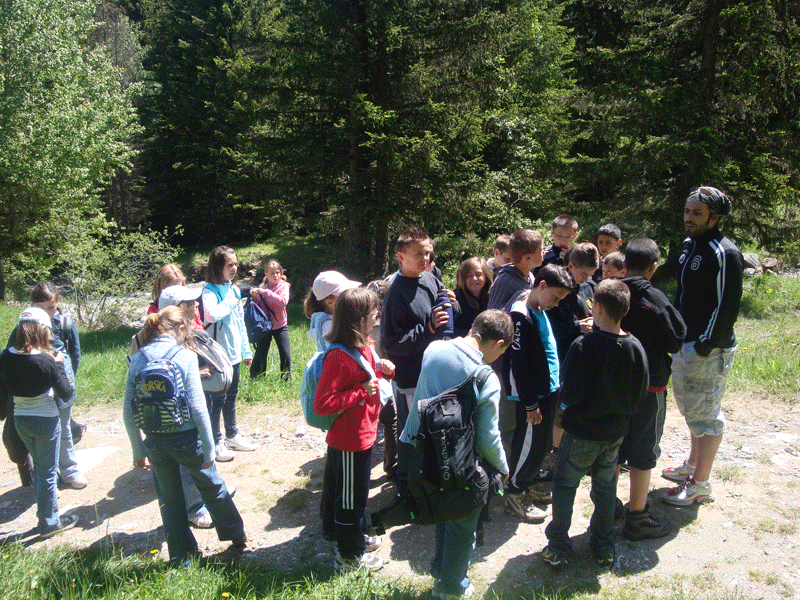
660,328
606,379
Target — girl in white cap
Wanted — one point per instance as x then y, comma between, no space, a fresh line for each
319,302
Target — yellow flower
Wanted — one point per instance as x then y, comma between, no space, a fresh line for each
153,551
226,595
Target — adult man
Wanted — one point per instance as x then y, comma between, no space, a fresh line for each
709,292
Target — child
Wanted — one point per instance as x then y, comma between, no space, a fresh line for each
501,255
532,382
169,274
318,305
660,328
605,380
473,282
33,374
526,254
447,364
345,388
224,320
614,266
274,294
609,239
409,322
564,232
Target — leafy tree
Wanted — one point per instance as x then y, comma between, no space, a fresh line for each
64,122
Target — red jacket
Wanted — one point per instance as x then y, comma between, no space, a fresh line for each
340,389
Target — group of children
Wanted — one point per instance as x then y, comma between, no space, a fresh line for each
555,409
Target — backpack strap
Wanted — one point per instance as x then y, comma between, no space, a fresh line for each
356,356
482,376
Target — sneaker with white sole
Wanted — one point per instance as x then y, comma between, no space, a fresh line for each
554,558
469,592
540,492
519,506
366,561
689,493
372,542
679,473
78,482
67,522
240,443
222,452
202,521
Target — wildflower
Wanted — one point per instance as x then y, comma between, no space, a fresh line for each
153,551
226,595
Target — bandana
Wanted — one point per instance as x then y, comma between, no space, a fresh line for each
716,201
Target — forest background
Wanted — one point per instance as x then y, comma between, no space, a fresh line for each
134,126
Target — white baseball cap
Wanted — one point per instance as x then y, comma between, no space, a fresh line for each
37,315
330,283
175,294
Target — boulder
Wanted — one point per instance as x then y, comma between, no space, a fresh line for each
770,263
751,260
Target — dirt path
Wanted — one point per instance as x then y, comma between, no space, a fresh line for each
746,544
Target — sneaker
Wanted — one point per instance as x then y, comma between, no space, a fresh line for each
679,473
517,506
222,452
469,592
202,521
76,483
67,522
689,493
540,492
231,490
366,561
240,443
555,558
372,542
644,525
605,558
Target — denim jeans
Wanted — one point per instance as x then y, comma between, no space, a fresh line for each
42,436
225,406
576,458
67,461
455,541
166,452
195,506
281,337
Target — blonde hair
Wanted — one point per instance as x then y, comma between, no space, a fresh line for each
33,336
168,320
476,262
270,265
352,307
169,274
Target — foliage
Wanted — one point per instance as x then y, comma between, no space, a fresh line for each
64,121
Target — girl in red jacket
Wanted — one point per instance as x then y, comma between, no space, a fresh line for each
346,387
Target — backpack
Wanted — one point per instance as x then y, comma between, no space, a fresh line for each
257,321
308,385
214,328
446,480
211,353
159,402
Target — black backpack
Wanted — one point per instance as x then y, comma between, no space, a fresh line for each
446,480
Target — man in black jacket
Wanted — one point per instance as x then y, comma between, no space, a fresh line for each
660,328
709,291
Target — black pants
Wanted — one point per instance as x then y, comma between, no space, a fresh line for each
388,419
349,489
530,444
259,365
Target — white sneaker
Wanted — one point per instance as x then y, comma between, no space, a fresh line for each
76,483
372,542
222,452
366,561
202,521
66,522
240,443
468,593
679,473
689,492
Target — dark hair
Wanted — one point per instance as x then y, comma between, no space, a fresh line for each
584,254
311,305
412,234
555,276
216,263
611,231
167,320
565,221
464,269
614,296
502,242
640,253
32,335
524,241
493,324
44,291
351,308
615,259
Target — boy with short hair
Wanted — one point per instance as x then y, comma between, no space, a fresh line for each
609,239
658,325
525,247
409,322
448,364
564,231
613,266
501,253
532,381
607,379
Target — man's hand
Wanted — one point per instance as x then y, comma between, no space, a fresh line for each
534,416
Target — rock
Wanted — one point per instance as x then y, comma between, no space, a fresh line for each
770,263
749,272
751,260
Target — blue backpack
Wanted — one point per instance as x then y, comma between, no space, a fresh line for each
308,385
159,402
257,321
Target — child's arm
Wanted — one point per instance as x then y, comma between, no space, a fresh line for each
528,365
134,435
74,347
487,432
340,384
213,309
277,298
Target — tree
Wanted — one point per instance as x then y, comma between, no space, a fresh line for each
64,123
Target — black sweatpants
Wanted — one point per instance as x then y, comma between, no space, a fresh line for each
350,490
530,444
